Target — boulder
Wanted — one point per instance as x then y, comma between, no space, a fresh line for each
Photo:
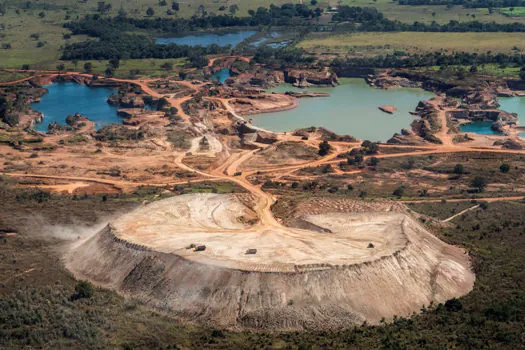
388,109
265,137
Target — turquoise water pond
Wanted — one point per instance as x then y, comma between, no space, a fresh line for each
221,75
206,39
514,105
482,128
351,108
65,99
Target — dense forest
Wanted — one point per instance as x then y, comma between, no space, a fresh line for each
133,46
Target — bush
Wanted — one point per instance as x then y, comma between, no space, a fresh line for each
83,290
459,169
399,192
373,161
479,183
453,305
324,148
504,168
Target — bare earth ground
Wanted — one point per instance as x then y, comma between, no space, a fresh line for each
321,277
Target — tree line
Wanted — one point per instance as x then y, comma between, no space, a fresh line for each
430,59
369,19
466,3
116,42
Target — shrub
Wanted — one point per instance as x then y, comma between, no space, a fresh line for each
83,290
399,192
480,183
459,169
324,148
453,305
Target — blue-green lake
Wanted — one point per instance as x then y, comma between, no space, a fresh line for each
65,99
514,105
206,39
351,108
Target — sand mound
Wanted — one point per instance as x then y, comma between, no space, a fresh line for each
297,279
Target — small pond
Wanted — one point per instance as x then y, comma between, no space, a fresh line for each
221,75
482,128
65,99
351,108
206,39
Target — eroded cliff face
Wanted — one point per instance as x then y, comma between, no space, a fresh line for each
420,270
306,78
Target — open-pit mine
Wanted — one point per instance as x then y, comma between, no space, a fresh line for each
241,256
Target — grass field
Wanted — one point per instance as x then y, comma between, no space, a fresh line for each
414,42
513,11
45,20
147,67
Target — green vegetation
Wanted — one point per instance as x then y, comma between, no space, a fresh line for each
37,308
413,43
513,11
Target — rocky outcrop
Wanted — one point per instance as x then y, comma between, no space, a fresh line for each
265,137
128,100
388,109
306,78
388,81
482,99
510,144
306,94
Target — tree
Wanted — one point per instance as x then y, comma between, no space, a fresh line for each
399,192
459,169
83,290
522,73
313,2
3,106
3,8
453,305
479,183
88,67
175,6
61,67
324,148
234,8
370,147
150,12
114,63
504,168
109,72
122,13
374,161
11,119
167,66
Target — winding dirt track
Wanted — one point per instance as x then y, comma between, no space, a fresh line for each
408,267
231,166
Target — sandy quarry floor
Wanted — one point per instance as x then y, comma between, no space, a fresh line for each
221,223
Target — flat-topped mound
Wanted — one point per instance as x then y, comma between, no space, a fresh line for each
206,258
226,228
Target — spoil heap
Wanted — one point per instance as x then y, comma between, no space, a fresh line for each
206,258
